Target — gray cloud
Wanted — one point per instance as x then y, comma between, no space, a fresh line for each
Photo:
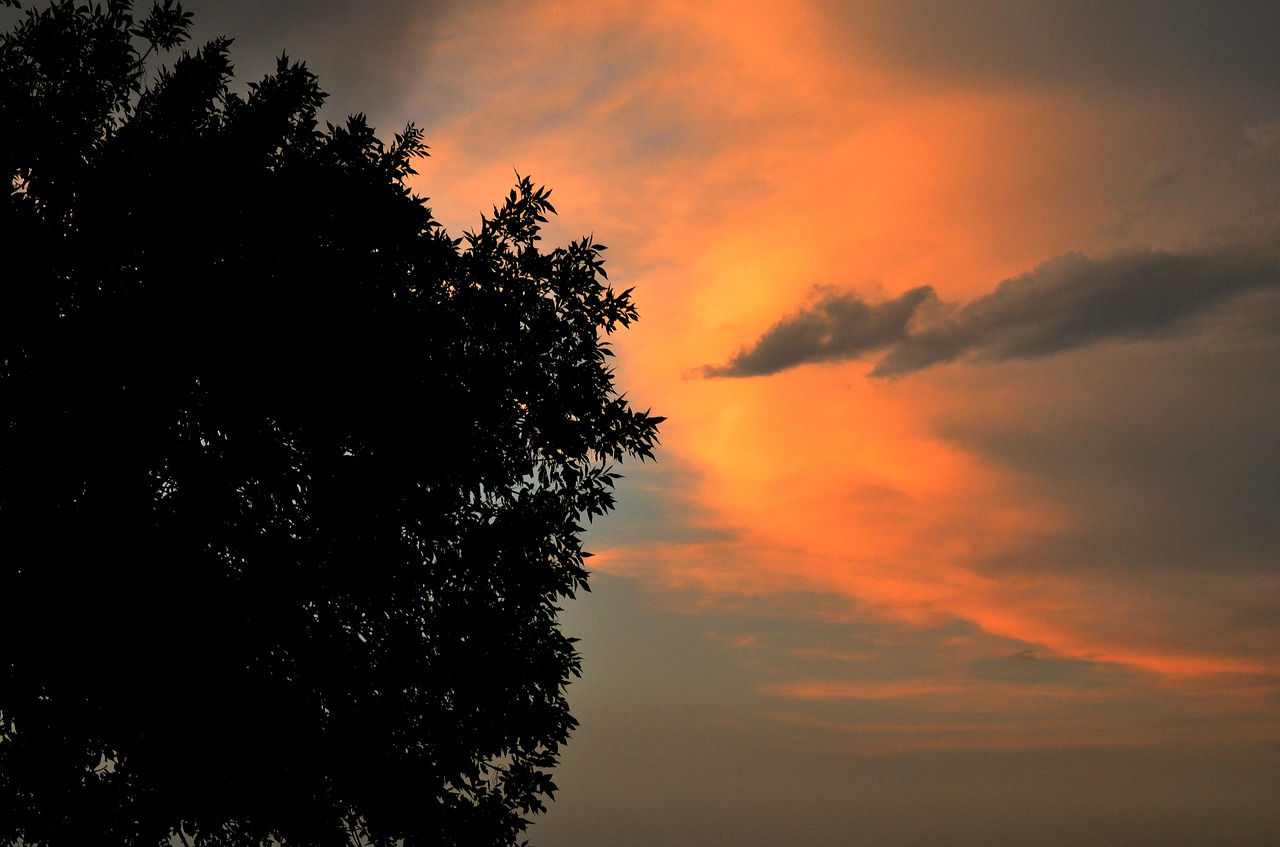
838,326
1086,43
368,56
1067,303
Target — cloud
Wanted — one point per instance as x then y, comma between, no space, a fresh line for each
838,326
1090,43
368,57
1067,303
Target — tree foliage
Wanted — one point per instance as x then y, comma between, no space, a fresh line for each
291,482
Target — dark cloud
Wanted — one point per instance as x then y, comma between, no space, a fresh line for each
367,55
1086,43
1067,303
838,326
1073,301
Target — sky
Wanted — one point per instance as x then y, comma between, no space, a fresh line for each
965,526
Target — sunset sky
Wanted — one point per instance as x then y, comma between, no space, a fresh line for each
965,528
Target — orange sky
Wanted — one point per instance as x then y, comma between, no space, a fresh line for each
790,162
1070,551
736,156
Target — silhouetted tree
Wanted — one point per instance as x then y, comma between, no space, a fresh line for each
291,482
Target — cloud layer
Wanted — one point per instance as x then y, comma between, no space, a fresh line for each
1089,43
1067,303
367,60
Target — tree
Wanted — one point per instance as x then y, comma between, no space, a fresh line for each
291,482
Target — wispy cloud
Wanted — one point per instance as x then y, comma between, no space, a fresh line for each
1070,302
